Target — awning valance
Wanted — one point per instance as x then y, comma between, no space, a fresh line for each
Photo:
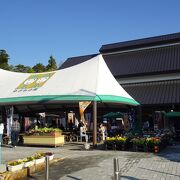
173,114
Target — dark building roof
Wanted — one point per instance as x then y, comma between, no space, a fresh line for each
145,62
148,60
154,60
164,92
141,43
76,60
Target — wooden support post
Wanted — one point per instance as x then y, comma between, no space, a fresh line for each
94,123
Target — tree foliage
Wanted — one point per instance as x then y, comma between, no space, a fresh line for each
52,66
4,57
30,70
22,68
39,67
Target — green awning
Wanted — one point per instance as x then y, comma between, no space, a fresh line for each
113,115
173,114
84,82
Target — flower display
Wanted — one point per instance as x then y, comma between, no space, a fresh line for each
16,162
151,141
139,141
118,140
39,155
29,158
43,131
29,161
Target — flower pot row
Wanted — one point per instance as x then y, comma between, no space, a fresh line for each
117,143
135,144
19,164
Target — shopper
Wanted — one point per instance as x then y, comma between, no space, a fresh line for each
102,129
83,132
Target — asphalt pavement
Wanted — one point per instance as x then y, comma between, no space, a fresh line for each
79,164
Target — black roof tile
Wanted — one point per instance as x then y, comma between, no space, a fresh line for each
149,61
139,43
153,93
76,60
139,62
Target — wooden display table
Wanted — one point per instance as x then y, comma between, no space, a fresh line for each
55,139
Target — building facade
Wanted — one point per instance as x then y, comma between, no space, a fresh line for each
149,70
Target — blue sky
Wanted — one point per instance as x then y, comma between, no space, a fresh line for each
33,30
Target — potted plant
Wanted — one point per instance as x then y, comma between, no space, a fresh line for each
39,157
15,165
150,144
29,161
157,143
44,131
44,136
120,142
50,154
139,144
109,142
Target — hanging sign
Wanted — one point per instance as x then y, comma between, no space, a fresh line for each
33,82
82,106
126,122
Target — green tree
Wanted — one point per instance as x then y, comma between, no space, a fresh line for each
4,57
39,68
52,66
11,68
30,70
22,68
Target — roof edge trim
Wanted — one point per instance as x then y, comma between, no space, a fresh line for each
50,98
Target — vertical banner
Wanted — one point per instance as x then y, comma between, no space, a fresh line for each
26,123
70,118
126,122
82,106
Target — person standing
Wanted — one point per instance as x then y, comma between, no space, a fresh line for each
83,132
102,129
15,132
70,126
1,132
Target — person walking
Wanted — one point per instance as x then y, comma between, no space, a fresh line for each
1,132
15,132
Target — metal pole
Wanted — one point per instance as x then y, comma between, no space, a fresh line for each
47,168
116,169
94,123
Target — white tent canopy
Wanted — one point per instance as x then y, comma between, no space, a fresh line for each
88,81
